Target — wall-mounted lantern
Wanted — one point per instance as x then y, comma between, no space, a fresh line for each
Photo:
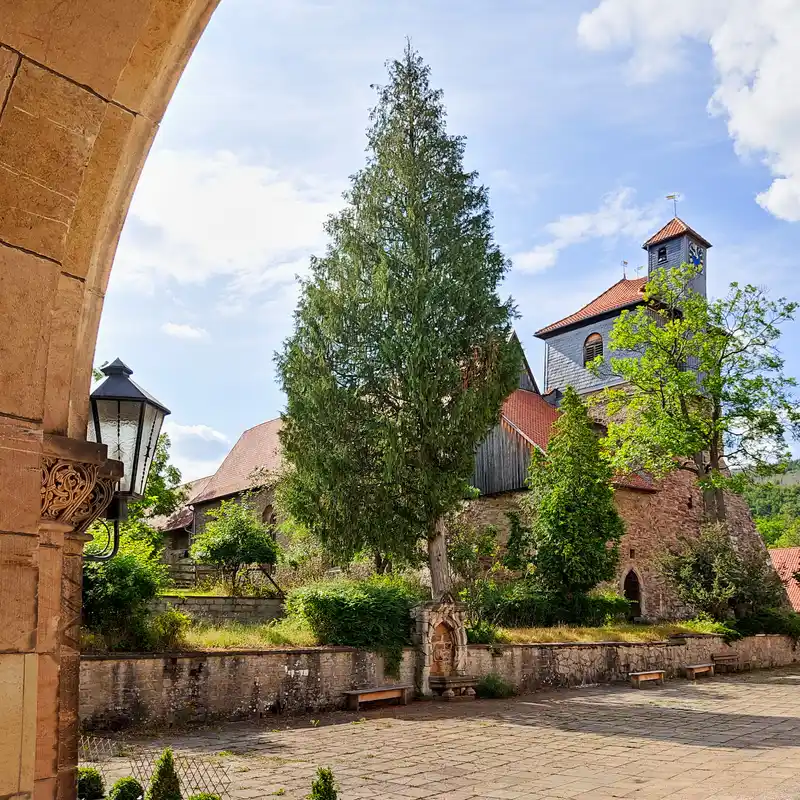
128,420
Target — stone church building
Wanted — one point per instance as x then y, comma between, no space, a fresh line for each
656,514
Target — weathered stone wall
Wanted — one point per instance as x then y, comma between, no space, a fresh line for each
538,666
122,691
222,609
654,522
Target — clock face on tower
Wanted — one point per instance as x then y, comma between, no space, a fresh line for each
696,254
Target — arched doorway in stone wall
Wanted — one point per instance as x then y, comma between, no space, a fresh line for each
632,591
83,87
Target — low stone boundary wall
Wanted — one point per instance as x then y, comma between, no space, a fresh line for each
222,609
537,666
129,690
124,690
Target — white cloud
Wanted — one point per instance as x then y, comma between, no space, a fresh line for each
177,432
182,331
197,450
755,54
617,215
197,217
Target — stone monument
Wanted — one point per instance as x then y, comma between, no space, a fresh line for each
440,636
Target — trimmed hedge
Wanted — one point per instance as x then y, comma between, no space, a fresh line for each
90,784
126,789
373,614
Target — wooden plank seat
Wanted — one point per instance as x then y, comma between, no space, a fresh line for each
693,670
730,661
401,692
637,678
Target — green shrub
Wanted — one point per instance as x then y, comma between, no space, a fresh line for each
373,614
324,786
205,796
709,574
164,784
493,686
126,789
90,784
117,593
524,603
770,620
482,632
168,629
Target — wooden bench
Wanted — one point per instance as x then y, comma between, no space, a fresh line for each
648,675
730,661
401,692
693,670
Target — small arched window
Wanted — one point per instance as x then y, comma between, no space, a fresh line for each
592,347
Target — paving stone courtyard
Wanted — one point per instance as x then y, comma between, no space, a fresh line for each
729,737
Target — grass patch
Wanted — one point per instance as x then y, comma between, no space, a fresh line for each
621,632
216,590
288,632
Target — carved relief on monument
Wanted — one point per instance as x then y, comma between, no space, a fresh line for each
443,650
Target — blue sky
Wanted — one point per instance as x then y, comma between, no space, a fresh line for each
580,116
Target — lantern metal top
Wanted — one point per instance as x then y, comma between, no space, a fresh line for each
117,385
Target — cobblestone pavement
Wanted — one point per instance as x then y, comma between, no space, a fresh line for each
722,738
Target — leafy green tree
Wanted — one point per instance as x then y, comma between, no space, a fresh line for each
710,575
400,357
574,526
165,784
703,379
234,538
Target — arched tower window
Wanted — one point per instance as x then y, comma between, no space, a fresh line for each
592,347
633,593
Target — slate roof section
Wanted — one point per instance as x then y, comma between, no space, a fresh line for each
257,448
786,561
531,416
624,293
675,227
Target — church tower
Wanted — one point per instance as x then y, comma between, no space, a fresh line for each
575,341
675,244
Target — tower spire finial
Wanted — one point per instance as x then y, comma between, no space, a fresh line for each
674,197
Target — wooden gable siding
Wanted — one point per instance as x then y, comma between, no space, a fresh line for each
501,461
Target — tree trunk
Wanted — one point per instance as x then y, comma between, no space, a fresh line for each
437,558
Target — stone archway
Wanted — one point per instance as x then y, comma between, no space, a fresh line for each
83,87
632,591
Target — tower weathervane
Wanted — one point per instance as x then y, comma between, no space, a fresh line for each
674,197
624,265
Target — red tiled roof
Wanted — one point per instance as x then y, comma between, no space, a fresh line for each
182,516
675,227
623,293
786,561
257,448
531,415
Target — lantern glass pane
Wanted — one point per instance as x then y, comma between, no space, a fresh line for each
153,417
119,429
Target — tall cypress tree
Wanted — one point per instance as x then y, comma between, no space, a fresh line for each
575,527
400,357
